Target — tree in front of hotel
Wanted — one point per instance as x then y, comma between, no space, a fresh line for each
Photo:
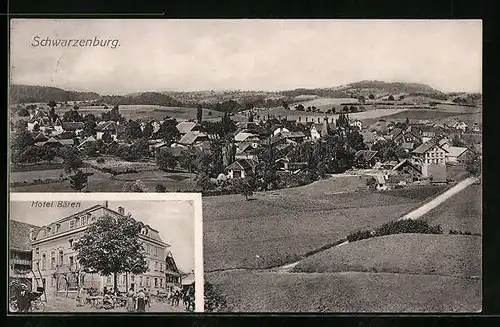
111,246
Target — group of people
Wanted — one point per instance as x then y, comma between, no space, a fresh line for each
22,297
138,301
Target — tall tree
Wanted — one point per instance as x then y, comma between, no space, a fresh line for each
72,160
132,131
199,114
90,125
111,246
243,187
78,181
147,132
168,131
165,160
72,116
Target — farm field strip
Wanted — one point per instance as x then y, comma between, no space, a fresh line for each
346,292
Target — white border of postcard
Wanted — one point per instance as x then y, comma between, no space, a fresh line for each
198,223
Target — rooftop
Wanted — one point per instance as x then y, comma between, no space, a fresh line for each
19,233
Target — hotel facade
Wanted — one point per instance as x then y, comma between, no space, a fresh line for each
60,272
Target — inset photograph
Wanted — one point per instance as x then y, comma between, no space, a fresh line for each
128,253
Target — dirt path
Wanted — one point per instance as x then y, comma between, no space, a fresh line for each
415,214
422,210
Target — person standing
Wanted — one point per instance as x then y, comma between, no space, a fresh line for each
148,297
131,300
141,301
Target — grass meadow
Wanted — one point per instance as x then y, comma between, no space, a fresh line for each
254,291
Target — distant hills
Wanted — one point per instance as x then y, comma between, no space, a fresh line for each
28,93
379,89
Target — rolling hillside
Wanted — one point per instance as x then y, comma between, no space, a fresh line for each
29,93
379,89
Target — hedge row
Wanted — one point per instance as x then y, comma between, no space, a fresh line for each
397,227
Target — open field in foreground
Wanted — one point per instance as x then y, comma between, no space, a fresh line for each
252,291
462,212
282,226
422,254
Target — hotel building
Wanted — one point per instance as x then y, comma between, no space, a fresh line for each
56,260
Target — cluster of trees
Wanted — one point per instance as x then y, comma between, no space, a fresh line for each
231,106
301,107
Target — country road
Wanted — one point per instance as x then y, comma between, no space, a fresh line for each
415,214
419,212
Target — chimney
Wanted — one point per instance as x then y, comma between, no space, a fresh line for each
121,211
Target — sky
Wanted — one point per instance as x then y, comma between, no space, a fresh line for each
246,54
174,220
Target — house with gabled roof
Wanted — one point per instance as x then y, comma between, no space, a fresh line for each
20,252
192,138
76,127
188,126
245,150
107,127
246,137
457,154
241,168
408,168
88,140
365,158
433,159
172,273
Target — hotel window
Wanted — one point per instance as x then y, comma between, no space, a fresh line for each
70,243
57,228
61,258
44,259
71,260
83,221
140,281
48,230
37,251
109,280
132,278
147,281
53,261
71,224
52,281
124,279
161,282
156,265
156,282
161,266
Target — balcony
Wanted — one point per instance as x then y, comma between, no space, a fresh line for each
21,262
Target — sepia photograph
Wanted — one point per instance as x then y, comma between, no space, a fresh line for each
339,161
104,253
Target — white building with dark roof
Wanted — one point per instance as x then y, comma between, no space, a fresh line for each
55,258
